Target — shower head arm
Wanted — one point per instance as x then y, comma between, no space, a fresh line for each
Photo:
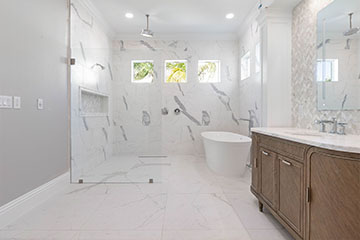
147,22
351,15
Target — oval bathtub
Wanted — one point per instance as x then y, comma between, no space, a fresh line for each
226,153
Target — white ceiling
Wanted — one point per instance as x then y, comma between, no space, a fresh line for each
185,16
336,15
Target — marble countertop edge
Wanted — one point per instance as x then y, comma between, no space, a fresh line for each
343,143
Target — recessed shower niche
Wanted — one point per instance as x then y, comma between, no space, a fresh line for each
92,103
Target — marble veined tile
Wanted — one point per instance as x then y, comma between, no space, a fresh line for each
192,204
61,212
246,207
189,174
128,169
129,212
118,235
37,235
206,235
200,212
280,234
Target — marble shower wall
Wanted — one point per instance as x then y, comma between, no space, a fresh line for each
139,125
250,88
303,71
90,135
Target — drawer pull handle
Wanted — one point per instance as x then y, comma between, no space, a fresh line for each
286,162
265,153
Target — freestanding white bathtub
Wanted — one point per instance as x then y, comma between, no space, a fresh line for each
226,153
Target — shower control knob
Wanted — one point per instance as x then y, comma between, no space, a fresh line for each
177,111
164,111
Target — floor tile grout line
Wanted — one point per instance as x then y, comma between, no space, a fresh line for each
165,212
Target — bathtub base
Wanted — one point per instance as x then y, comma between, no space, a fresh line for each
227,158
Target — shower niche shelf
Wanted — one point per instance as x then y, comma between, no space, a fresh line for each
93,103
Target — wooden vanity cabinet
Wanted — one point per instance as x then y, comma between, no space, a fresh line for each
291,193
313,192
333,209
278,180
269,177
254,164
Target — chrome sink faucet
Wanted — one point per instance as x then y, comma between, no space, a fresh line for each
334,126
337,128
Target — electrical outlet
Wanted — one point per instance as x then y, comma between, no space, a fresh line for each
40,104
17,102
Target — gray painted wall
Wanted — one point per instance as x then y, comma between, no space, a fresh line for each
33,143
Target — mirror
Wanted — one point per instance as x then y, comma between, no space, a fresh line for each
338,56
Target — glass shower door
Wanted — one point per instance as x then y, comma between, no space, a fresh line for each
115,122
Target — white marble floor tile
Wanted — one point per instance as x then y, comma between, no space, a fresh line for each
233,185
192,203
65,213
118,235
129,212
205,235
246,207
277,234
37,235
200,212
191,175
128,169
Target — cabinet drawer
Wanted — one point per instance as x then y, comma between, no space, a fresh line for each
284,147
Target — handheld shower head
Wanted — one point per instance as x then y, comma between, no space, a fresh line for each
352,30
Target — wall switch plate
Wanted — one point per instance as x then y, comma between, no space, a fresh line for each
17,102
40,104
6,102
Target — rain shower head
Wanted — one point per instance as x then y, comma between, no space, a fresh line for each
147,32
352,30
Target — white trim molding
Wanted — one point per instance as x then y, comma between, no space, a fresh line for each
13,210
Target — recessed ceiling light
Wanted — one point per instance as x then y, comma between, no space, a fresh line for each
129,15
230,16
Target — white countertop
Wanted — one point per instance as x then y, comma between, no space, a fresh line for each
345,143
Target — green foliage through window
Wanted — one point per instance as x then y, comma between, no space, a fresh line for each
209,71
175,72
143,71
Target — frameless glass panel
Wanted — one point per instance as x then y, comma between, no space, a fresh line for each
115,122
115,106
245,66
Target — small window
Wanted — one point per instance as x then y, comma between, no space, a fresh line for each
327,70
209,71
176,71
257,58
142,71
245,66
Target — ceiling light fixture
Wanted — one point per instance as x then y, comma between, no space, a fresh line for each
230,16
147,32
129,15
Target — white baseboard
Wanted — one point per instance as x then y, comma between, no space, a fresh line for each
23,204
